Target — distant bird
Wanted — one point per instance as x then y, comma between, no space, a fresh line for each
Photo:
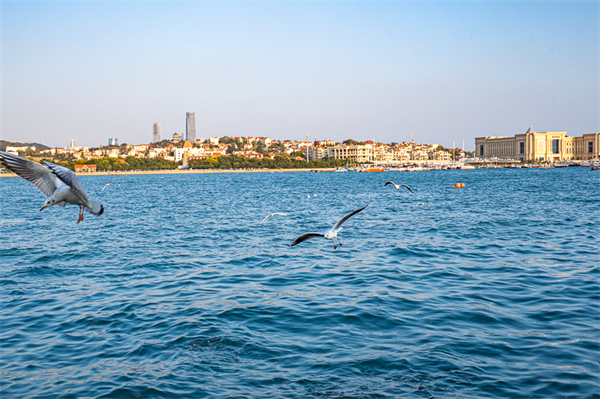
423,203
329,235
308,195
57,183
397,186
273,214
106,185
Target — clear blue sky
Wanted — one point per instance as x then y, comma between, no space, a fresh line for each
444,71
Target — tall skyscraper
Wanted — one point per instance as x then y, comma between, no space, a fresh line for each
156,132
190,126
113,141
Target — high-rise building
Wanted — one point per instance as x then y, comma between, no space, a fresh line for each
190,126
74,144
156,132
113,141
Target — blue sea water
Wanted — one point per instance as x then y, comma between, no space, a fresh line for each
178,291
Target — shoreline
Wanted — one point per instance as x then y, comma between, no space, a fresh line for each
185,171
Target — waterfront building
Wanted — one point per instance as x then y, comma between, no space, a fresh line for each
85,168
356,153
190,126
539,146
156,132
113,141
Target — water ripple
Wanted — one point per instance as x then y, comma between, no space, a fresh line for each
494,293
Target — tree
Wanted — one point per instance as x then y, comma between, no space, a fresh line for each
352,142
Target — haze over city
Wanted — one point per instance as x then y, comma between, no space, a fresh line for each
443,71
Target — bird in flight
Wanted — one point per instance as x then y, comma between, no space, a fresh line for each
273,214
424,203
397,186
106,185
329,235
57,183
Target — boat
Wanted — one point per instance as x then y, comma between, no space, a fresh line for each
594,168
374,169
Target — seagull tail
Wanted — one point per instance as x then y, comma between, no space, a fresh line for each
96,208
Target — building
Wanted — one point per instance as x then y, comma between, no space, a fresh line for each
113,141
539,146
318,152
176,138
190,126
356,153
85,168
156,132
74,145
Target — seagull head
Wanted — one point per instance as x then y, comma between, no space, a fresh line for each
49,202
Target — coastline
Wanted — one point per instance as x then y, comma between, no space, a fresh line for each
186,171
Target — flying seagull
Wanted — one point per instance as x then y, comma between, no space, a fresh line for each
424,203
106,185
397,186
57,183
331,234
276,213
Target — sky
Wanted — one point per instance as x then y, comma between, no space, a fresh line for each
442,71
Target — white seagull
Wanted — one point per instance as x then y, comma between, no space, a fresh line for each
273,214
331,234
424,203
57,183
397,186
106,185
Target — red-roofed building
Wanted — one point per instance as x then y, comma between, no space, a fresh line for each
85,168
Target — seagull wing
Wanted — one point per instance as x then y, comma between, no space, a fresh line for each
305,237
404,185
389,182
67,176
348,216
266,217
423,203
37,174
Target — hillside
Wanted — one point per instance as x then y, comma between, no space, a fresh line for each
4,144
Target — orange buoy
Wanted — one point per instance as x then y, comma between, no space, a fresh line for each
462,185
457,185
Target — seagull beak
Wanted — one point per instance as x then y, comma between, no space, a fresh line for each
44,207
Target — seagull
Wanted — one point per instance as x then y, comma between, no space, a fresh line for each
331,234
397,186
276,213
106,185
423,203
57,183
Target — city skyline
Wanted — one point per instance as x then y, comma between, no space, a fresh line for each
443,71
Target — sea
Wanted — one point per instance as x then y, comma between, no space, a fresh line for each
182,290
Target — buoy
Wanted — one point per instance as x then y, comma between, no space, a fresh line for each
462,185
457,185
